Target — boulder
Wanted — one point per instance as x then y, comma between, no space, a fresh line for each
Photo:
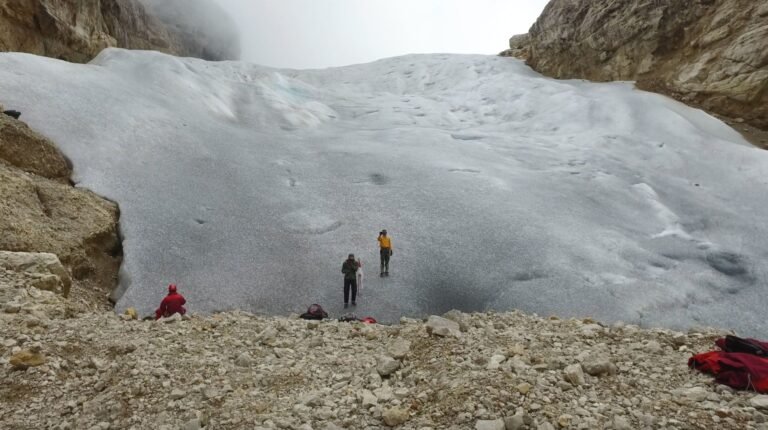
25,359
386,365
759,402
439,326
44,270
490,425
399,348
598,364
31,152
395,416
574,374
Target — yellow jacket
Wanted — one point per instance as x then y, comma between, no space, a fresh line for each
385,242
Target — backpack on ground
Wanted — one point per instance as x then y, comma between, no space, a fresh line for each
747,346
314,312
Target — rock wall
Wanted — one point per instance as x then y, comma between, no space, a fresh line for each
78,30
41,212
708,53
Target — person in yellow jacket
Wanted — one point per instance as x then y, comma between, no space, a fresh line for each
385,245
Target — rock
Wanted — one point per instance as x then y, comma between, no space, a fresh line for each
78,30
708,53
177,394
564,421
515,422
490,425
244,360
395,416
43,212
440,326
759,402
399,348
131,313
597,364
545,426
171,319
574,374
621,423
524,387
193,424
458,317
688,395
653,347
46,271
25,359
31,152
386,365
495,362
367,399
12,308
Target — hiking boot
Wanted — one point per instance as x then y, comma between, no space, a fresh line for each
346,305
354,304
386,273
381,275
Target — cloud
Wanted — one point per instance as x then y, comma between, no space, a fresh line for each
313,33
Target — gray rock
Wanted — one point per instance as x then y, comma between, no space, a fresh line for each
621,423
244,360
759,402
399,348
597,364
177,394
440,326
574,374
193,424
515,422
689,395
386,365
395,416
368,399
490,425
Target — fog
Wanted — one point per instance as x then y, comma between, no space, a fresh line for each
315,34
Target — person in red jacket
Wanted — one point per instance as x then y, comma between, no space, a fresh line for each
172,303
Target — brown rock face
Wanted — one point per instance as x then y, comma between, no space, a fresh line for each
78,30
709,53
41,212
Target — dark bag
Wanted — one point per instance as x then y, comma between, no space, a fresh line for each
12,113
748,346
314,312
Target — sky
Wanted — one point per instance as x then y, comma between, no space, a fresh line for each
322,33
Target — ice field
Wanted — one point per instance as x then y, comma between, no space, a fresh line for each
248,186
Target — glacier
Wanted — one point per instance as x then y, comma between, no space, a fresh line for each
247,186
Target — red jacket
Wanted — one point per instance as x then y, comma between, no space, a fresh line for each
734,366
172,303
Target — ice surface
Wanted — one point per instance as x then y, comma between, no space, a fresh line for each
248,186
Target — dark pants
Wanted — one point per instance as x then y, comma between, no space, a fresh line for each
347,284
385,253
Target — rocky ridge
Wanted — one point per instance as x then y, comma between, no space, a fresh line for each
78,30
40,211
707,53
67,367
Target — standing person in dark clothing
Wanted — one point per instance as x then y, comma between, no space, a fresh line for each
349,269
385,250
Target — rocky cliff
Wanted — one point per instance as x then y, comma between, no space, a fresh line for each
40,211
78,30
708,53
